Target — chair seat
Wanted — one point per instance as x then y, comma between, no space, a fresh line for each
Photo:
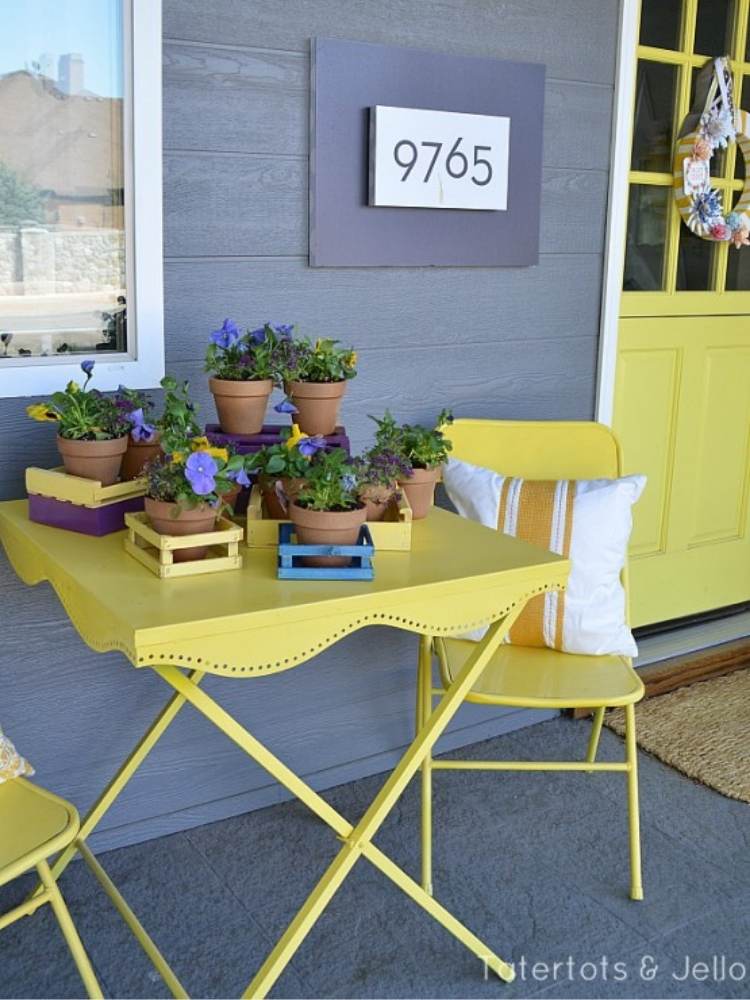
34,824
544,678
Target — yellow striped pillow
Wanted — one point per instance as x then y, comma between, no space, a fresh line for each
587,521
12,764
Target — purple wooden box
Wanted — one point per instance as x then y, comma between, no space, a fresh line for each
87,520
270,434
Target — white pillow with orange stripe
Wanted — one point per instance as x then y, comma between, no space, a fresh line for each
587,521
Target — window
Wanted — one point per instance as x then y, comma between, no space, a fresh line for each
80,193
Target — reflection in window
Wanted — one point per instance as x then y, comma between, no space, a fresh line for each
654,102
62,211
660,23
713,27
644,251
694,262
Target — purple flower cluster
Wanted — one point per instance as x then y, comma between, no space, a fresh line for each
142,431
309,446
226,335
384,466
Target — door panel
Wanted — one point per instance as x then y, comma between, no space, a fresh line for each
682,396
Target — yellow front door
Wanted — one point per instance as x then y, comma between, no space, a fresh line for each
682,396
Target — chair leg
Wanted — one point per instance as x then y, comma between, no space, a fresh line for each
636,884
69,931
424,710
596,732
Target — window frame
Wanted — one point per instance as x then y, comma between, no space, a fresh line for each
143,366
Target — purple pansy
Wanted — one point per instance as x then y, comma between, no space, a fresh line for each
141,430
200,470
286,406
240,477
284,330
349,481
227,335
257,336
87,367
310,445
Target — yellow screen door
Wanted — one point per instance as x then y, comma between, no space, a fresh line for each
682,394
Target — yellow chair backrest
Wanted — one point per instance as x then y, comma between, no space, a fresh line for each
538,449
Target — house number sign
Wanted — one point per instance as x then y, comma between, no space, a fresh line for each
438,159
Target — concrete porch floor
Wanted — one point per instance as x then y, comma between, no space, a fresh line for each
536,864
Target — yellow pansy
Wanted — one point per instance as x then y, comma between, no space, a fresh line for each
295,437
72,387
178,458
351,358
42,413
203,444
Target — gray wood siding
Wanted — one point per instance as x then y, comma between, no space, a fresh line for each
507,342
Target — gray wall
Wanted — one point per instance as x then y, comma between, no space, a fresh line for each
514,342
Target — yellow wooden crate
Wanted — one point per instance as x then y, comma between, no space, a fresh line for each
155,551
391,534
59,485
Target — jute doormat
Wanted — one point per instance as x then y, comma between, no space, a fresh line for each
702,730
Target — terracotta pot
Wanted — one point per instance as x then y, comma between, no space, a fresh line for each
171,519
241,406
326,527
137,455
318,404
420,490
274,506
100,460
230,497
377,500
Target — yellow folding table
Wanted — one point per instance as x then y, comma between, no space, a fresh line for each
247,623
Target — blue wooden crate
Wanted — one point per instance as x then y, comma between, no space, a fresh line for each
290,565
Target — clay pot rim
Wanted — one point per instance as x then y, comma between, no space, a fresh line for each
241,386
187,512
315,390
103,443
354,513
421,475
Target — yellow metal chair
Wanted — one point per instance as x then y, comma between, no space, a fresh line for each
531,677
34,825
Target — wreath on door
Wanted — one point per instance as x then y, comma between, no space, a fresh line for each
713,123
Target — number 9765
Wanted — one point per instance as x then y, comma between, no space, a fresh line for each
456,163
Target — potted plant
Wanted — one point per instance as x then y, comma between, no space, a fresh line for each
187,483
328,511
143,443
379,471
92,433
243,369
282,468
425,450
315,377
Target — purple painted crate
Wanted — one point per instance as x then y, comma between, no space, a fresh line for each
269,434
86,520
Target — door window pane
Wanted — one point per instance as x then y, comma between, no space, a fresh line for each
713,27
654,102
644,251
738,270
62,212
694,262
660,23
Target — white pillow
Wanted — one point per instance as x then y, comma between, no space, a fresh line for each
587,520
12,764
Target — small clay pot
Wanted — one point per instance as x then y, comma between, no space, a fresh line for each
99,460
231,495
326,527
318,404
241,405
419,488
377,499
137,455
170,519
274,507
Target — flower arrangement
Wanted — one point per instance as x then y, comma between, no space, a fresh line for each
315,377
190,472
138,409
421,447
250,356
282,468
91,429
82,414
331,483
379,471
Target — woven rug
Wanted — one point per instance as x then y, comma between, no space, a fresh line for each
702,730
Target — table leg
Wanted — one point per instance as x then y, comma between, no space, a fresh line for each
357,840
